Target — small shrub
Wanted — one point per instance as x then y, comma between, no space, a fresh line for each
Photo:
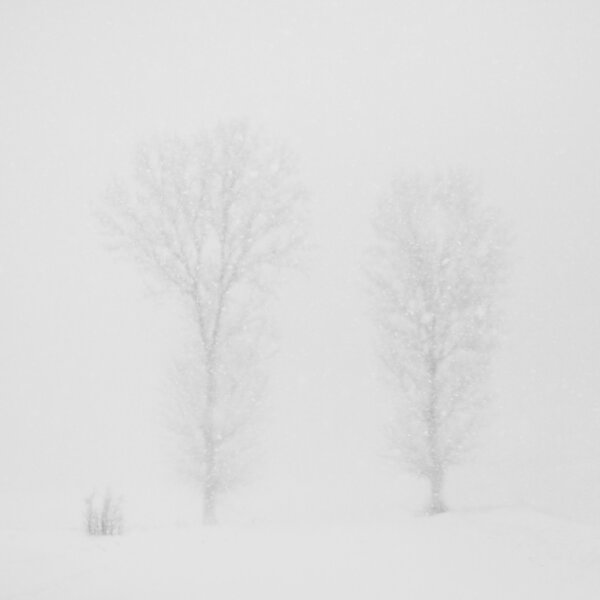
103,516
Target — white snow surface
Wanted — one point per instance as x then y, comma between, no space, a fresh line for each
488,554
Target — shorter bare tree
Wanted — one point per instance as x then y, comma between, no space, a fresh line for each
437,274
214,216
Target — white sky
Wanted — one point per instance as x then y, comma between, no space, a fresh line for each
359,90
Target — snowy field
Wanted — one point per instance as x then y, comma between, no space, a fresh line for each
428,176
503,554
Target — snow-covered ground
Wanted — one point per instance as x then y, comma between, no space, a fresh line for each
483,555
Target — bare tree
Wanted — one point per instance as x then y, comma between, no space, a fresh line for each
215,217
437,274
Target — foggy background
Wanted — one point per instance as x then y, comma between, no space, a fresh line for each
359,91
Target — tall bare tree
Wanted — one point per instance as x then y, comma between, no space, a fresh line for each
437,275
215,217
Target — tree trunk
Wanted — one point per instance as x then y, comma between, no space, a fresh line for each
209,485
209,514
210,459
436,468
436,502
